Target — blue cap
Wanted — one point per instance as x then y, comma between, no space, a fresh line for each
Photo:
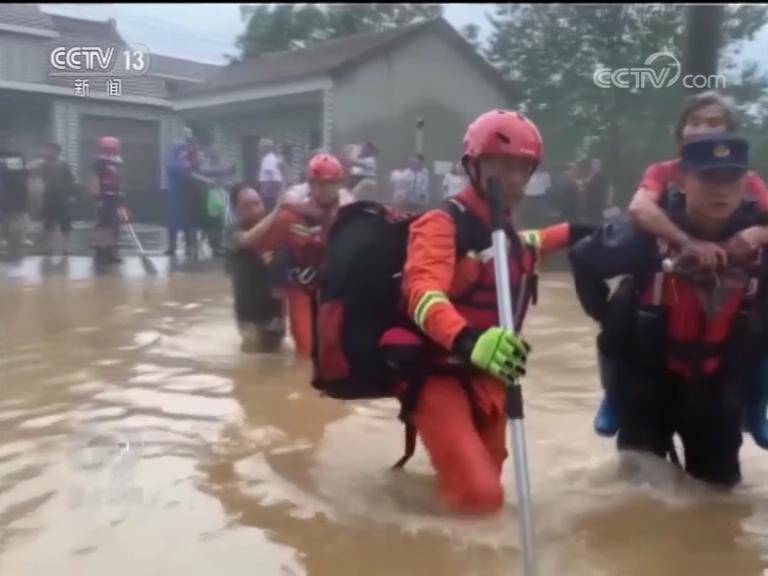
722,151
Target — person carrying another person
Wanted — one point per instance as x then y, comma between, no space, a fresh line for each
302,229
705,113
450,293
688,340
257,295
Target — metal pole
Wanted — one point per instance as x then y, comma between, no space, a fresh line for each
420,136
514,392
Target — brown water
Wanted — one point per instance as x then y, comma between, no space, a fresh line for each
135,439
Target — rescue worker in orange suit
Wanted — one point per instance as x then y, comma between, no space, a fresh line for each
302,229
690,341
451,297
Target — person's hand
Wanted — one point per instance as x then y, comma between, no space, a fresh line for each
239,238
742,247
497,351
302,208
706,254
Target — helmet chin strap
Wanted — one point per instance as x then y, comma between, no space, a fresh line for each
472,170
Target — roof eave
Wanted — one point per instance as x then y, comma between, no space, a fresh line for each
28,30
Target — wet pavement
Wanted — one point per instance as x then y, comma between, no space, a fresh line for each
136,439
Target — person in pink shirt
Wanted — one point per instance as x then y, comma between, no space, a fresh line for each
705,113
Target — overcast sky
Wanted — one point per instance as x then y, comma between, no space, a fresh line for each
206,32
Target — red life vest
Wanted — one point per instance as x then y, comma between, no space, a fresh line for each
697,343
307,248
473,292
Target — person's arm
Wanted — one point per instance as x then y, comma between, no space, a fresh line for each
749,240
427,277
555,238
269,233
369,163
612,250
649,217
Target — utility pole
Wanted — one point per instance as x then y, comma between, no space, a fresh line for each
704,38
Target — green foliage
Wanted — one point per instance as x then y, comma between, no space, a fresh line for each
553,50
281,27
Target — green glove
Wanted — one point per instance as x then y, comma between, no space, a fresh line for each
497,351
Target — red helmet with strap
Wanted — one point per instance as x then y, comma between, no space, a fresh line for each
109,145
325,168
503,132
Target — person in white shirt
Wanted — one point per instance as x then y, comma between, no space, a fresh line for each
400,179
418,192
363,164
270,174
455,181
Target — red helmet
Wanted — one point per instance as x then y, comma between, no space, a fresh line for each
503,132
325,168
109,145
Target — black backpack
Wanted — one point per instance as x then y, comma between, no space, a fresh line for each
359,300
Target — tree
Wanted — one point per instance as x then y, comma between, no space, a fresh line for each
471,33
553,51
276,28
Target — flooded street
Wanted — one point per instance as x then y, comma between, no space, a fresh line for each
136,439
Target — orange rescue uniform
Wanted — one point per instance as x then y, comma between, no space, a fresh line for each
467,451
306,241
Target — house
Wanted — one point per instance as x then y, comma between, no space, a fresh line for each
361,87
37,105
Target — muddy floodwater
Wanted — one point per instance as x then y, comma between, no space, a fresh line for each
137,440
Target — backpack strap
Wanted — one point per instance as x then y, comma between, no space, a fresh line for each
410,445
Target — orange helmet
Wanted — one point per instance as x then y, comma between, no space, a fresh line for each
325,168
503,132
109,145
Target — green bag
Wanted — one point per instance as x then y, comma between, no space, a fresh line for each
216,204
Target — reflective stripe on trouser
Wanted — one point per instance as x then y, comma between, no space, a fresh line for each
468,458
300,317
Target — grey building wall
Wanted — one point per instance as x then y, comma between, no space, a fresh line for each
24,121
66,120
23,58
427,77
296,126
